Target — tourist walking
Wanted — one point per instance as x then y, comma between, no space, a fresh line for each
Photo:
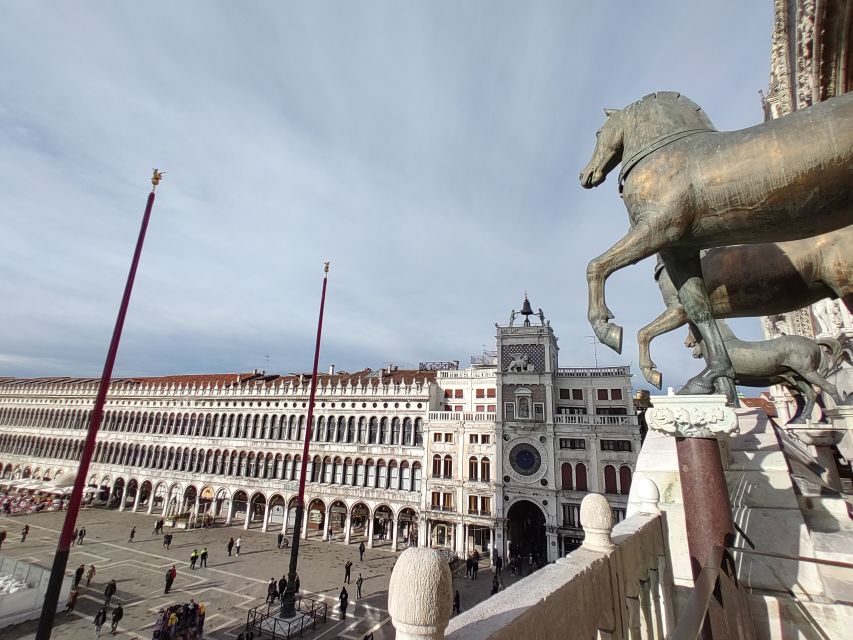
199,619
167,541
271,589
118,614
193,558
499,563
361,552
72,600
347,569
74,537
230,546
25,532
358,584
2,538
90,574
282,585
170,578
100,619
237,544
132,533
202,558
495,585
456,602
344,600
109,591
78,574
81,534
280,539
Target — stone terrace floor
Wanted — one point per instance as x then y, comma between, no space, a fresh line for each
228,587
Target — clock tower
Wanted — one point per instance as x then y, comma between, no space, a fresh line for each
527,500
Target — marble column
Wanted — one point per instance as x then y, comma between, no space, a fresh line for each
136,499
327,525
122,500
266,516
304,533
248,515
151,502
394,525
370,521
166,501
347,524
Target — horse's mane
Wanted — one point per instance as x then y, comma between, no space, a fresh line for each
679,106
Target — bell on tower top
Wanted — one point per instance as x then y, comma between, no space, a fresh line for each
526,310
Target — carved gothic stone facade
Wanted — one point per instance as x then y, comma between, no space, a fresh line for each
810,61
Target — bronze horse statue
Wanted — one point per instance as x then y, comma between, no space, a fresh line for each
760,279
796,362
689,187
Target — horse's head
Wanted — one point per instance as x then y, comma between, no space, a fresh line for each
608,151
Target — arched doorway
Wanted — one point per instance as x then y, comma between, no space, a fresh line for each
239,505
117,493
525,529
130,494
316,514
145,494
188,503
383,520
358,522
221,503
277,506
407,528
258,506
338,518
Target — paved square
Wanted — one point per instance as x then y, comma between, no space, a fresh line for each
229,586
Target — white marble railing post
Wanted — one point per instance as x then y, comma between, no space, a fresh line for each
420,595
597,522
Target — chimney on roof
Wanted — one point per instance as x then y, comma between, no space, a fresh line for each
331,369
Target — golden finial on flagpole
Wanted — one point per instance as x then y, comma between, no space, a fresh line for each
325,267
155,179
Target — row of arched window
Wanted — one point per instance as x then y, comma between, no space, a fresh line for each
268,426
400,475
573,477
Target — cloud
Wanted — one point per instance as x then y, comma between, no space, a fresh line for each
430,150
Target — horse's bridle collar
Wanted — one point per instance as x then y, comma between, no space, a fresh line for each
653,146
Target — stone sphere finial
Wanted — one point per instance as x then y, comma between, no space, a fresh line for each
420,594
597,522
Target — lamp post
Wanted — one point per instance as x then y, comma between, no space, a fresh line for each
60,559
288,599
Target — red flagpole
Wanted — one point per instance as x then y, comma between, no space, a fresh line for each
60,560
288,598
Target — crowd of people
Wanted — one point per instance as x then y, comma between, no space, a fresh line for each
15,504
180,622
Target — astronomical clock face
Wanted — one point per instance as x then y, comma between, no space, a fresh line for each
524,460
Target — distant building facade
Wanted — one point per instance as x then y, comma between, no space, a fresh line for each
497,454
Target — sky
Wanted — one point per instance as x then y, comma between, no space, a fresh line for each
429,150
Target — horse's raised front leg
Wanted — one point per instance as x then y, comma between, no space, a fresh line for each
640,242
669,320
685,269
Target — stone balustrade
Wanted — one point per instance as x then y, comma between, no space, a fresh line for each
461,416
595,372
617,585
586,419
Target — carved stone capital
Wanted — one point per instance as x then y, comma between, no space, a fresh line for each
692,416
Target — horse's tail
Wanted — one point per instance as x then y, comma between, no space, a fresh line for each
831,355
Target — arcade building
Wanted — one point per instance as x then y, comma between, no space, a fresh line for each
489,458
